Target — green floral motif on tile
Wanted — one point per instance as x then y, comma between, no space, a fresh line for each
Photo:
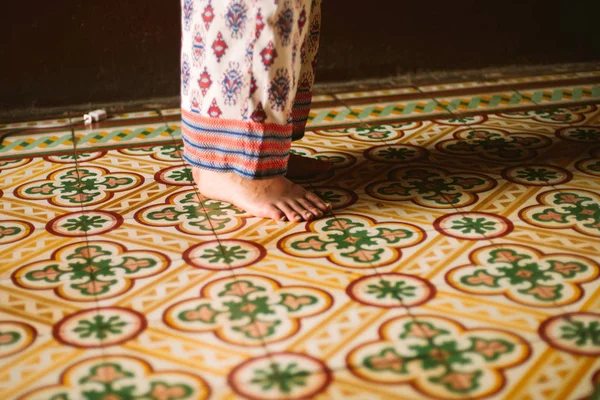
225,254
9,337
536,174
573,207
554,115
93,268
519,268
354,240
448,358
524,274
7,231
478,225
11,163
180,175
72,158
494,144
584,134
108,379
574,332
329,196
395,153
185,211
84,223
395,290
99,327
169,152
73,187
80,191
86,271
201,215
248,309
581,332
560,116
461,120
122,378
284,378
438,356
430,187
372,132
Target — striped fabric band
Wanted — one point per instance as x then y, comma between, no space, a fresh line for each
254,150
300,113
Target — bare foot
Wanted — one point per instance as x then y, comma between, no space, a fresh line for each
302,167
276,198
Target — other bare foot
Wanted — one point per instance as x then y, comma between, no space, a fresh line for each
302,167
276,198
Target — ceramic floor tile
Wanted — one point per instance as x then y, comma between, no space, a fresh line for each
377,93
585,163
146,160
556,116
523,274
322,98
212,323
36,142
323,116
562,94
440,356
45,123
36,246
566,209
510,192
420,108
38,371
484,103
460,259
352,384
124,373
119,134
20,172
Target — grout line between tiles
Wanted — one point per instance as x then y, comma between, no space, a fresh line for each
218,239
493,241
93,278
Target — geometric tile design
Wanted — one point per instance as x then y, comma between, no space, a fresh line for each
525,275
460,259
465,363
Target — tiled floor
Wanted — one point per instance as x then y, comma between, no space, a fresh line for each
461,260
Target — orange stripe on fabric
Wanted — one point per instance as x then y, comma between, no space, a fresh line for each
233,159
234,143
248,126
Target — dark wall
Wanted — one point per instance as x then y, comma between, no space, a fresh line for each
71,51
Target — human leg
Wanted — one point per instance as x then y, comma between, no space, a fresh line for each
240,69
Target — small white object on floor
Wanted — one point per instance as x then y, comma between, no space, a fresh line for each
94,116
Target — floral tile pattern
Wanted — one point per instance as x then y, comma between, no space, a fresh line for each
461,258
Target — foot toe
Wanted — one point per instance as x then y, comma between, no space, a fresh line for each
299,208
317,202
310,207
289,212
274,213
